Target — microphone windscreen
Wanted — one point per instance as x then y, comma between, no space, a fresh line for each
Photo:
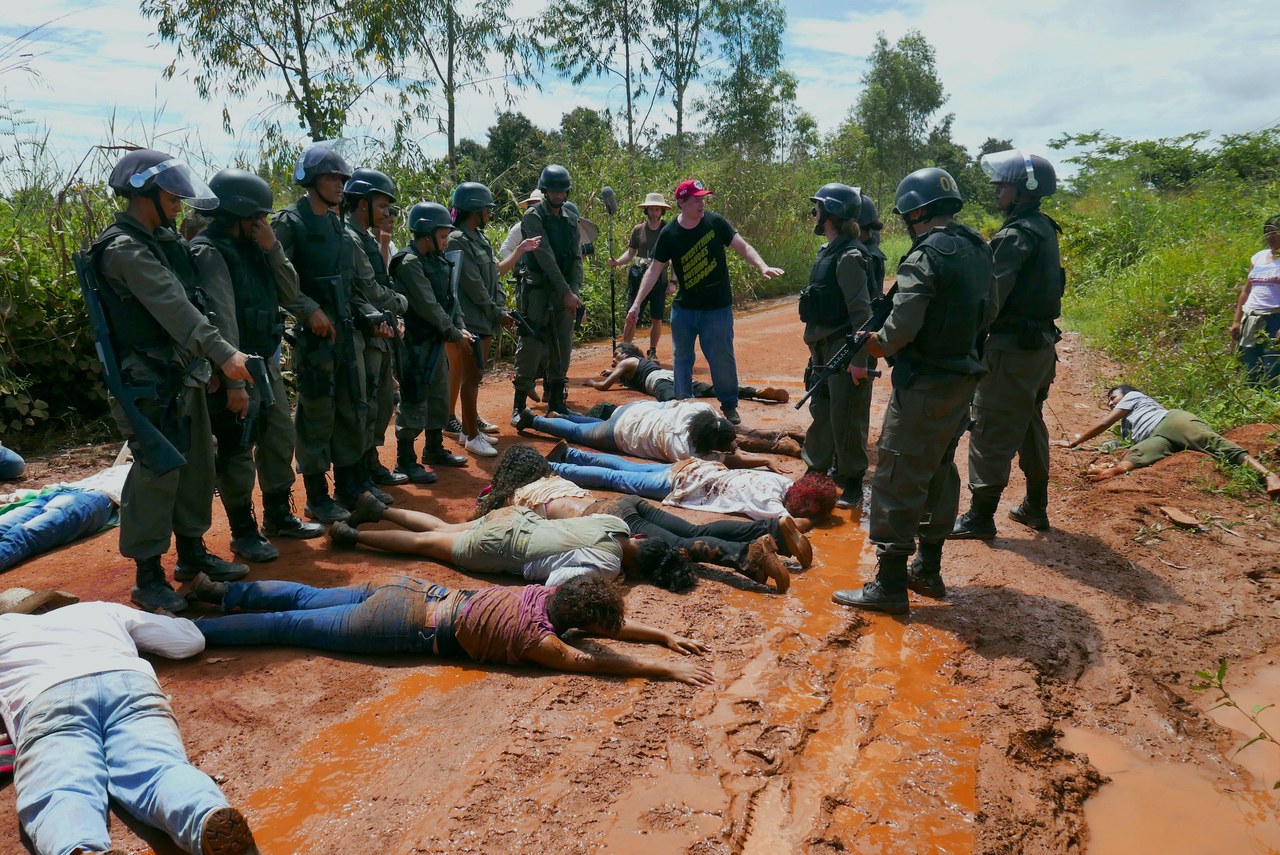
610,200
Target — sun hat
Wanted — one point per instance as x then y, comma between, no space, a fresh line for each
24,601
534,198
654,200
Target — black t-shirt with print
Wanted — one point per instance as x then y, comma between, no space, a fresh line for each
698,257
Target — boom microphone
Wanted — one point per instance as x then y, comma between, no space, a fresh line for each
610,201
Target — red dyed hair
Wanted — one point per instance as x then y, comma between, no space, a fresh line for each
813,495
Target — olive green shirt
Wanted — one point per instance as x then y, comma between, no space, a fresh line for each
479,288
532,226
413,282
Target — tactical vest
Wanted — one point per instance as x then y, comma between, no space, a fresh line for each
322,255
1037,291
438,273
948,339
133,327
822,300
254,286
474,245
876,263
374,253
561,234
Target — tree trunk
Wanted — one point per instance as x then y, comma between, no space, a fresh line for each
309,108
451,95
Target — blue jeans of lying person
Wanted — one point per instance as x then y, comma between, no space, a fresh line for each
107,734
368,618
597,471
49,521
596,433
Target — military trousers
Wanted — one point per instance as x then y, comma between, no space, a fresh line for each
841,413
549,351
1008,418
427,406
380,389
155,507
915,491
269,457
331,412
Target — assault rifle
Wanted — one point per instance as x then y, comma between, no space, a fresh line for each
154,448
854,342
266,398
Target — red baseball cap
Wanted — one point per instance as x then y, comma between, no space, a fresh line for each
689,189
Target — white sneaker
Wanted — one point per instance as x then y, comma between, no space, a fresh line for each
479,446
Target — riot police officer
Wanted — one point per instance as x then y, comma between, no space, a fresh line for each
248,278
150,294
932,335
832,305
423,275
1020,356
550,297
368,198
869,223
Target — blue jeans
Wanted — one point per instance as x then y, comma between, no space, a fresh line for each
11,464
607,472
714,327
49,521
107,734
368,618
596,433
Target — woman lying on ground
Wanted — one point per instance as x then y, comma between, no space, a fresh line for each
642,374
506,625
524,479
519,542
1158,433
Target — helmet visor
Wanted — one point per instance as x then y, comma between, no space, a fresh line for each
177,178
1009,167
317,152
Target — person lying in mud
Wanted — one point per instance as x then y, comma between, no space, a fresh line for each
638,372
525,479
1158,433
658,430
510,625
518,541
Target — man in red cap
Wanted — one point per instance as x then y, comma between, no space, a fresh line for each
695,243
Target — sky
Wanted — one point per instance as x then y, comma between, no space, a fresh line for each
1024,71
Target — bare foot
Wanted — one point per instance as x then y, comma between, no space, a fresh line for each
1273,485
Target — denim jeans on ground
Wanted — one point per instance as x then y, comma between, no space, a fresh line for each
11,464
607,472
714,329
596,433
49,521
107,734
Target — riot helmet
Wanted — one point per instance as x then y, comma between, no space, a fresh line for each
472,196
365,181
554,178
1029,172
426,217
835,200
868,217
241,194
319,159
145,171
925,188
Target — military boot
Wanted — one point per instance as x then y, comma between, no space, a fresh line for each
278,519
978,523
557,405
407,460
193,559
381,474
435,454
1034,510
366,484
320,505
924,576
517,407
246,539
888,593
152,591
850,494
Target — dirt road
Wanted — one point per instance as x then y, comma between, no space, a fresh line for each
988,722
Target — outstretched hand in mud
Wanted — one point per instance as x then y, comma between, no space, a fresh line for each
693,673
687,646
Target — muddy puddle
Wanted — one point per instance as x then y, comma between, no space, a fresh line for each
1262,759
1152,806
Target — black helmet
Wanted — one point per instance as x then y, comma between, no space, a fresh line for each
426,217
1027,171
554,177
924,186
241,194
839,200
868,217
365,181
472,196
143,170
319,159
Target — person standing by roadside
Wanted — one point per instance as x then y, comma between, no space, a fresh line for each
1020,357
151,295
944,285
245,272
695,242
639,255
1256,328
832,305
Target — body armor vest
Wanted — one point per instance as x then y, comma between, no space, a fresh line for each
948,339
254,286
561,236
374,253
822,300
876,263
437,271
322,251
1037,291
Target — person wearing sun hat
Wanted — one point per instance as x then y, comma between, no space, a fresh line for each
640,254
695,242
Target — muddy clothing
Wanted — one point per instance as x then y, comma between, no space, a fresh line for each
709,485
1159,433
433,318
379,356
519,541
480,291
660,383
832,305
246,287
150,289
944,283
554,270
1021,362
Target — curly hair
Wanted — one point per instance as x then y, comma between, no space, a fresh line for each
587,601
603,410
709,432
664,565
628,350
813,495
520,465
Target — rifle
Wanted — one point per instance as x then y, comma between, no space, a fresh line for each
854,342
154,448
266,398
